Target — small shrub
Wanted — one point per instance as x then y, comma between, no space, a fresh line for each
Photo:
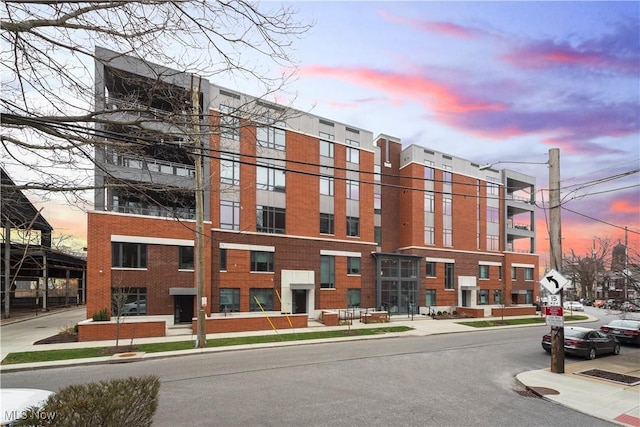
127,402
455,312
439,313
100,316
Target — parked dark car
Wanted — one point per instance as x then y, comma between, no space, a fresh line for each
625,330
585,342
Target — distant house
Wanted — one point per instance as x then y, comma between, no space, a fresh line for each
37,275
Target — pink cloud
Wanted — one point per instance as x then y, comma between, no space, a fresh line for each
625,206
435,95
444,28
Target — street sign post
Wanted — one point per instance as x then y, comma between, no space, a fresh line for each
554,315
554,281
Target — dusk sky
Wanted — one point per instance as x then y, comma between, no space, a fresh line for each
489,82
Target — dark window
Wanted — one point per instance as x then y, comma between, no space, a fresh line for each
353,265
326,223
431,298
448,275
261,261
185,257
353,297
128,301
377,235
483,297
327,271
353,226
223,259
431,269
483,271
497,296
270,220
229,300
128,255
260,299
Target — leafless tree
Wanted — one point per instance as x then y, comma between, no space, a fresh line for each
50,123
588,269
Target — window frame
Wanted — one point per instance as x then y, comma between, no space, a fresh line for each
353,266
329,220
182,265
119,258
235,300
353,226
449,275
275,218
327,274
261,265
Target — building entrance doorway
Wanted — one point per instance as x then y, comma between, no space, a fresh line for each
183,308
299,297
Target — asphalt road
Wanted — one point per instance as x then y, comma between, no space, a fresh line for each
442,380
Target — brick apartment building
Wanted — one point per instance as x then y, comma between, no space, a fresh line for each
302,213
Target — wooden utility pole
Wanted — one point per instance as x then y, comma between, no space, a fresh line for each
555,239
201,340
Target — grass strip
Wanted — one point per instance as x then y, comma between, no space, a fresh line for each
80,353
512,322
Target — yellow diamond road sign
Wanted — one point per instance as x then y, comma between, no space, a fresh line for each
554,281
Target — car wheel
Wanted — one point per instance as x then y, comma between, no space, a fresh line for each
616,349
592,353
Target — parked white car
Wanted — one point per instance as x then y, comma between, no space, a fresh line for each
573,306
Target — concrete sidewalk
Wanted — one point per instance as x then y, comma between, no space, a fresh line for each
608,400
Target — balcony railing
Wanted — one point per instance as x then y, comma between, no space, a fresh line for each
157,211
154,165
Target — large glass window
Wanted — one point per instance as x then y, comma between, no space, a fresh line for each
483,297
493,189
431,269
261,261
493,214
327,224
229,300
493,242
229,215
270,137
497,296
353,190
447,237
230,169
353,265
128,255
326,149
448,275
326,186
430,298
446,177
408,268
447,206
428,173
185,257
483,271
260,299
429,235
327,271
353,155
528,273
377,235
229,124
128,301
270,178
353,298
513,273
353,226
429,202
377,203
270,220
